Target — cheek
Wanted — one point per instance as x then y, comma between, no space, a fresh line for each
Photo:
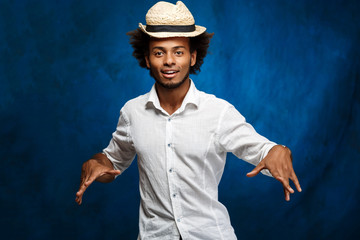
181,61
154,63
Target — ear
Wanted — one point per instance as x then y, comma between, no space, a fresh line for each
193,58
147,61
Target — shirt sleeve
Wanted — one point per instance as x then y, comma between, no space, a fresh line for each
121,151
239,137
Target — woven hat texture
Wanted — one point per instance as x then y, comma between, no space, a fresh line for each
170,20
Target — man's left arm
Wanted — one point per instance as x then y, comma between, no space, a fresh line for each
239,137
279,162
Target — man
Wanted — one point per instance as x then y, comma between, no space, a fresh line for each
181,136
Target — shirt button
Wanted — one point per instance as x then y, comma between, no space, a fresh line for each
169,144
169,119
178,219
170,170
174,195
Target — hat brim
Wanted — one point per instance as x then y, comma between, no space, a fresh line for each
198,30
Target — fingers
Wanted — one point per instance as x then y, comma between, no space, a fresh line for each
293,177
287,189
85,183
286,186
285,183
279,163
287,195
296,182
79,195
81,191
256,170
78,198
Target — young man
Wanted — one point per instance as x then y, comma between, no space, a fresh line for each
181,136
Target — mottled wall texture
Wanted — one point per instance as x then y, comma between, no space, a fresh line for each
292,68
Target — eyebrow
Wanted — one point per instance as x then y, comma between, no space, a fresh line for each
163,49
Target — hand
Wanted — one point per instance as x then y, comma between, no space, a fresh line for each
95,169
279,163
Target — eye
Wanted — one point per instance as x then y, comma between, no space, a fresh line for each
158,53
179,53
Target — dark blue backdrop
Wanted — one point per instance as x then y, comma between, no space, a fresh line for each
291,67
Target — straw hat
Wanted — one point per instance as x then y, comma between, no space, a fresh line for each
168,20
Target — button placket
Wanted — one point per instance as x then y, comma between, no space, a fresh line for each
172,177
169,153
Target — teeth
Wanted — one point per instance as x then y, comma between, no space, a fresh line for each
169,72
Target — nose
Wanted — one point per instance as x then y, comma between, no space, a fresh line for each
169,60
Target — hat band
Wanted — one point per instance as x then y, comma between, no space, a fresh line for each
170,28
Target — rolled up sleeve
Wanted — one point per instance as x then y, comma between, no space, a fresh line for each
121,151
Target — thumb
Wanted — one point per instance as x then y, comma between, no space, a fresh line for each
256,170
113,172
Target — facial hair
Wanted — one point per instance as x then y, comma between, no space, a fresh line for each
170,85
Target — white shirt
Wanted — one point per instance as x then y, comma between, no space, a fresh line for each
181,159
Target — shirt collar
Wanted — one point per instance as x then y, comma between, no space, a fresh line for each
192,97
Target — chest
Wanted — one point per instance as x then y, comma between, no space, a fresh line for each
187,134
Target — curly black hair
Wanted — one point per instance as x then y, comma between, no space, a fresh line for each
140,43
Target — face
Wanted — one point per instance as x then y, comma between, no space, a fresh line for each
170,60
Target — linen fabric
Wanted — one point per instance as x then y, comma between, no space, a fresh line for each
181,159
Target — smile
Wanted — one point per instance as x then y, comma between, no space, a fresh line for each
169,73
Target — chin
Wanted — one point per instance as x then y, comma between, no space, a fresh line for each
172,83
169,84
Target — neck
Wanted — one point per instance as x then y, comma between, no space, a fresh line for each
171,99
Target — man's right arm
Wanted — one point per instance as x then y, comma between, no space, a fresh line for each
98,168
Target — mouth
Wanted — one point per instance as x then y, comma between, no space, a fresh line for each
169,73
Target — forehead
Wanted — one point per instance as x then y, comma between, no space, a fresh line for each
169,42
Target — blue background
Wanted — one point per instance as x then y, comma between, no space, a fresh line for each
292,68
